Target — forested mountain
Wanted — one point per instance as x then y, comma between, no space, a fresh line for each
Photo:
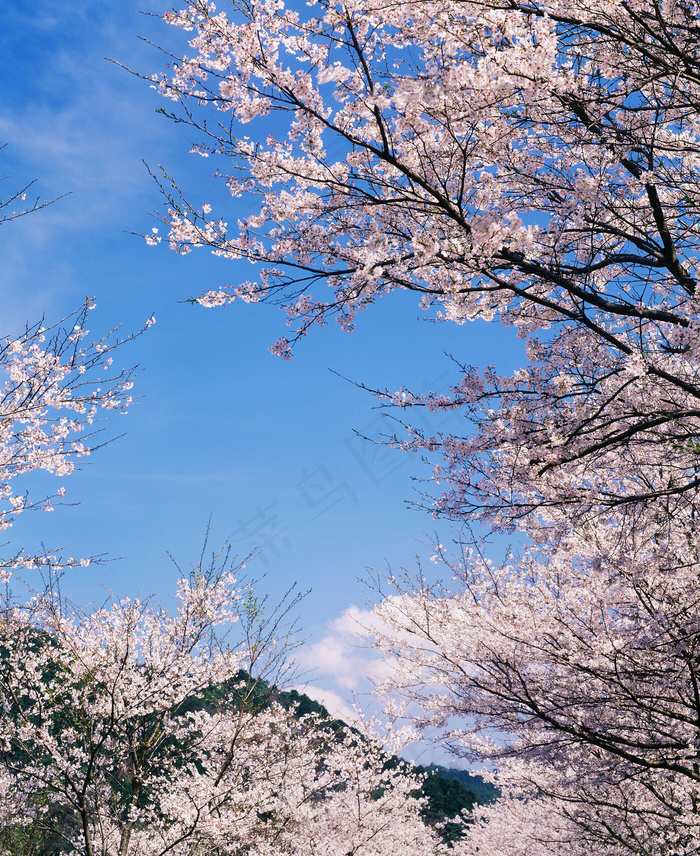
448,792
448,789
482,791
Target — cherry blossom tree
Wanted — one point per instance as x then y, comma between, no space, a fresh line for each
573,671
533,165
54,383
108,739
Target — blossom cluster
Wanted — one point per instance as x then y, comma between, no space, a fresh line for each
141,732
55,383
534,165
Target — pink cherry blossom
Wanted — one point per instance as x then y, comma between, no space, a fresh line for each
533,165
50,402
104,716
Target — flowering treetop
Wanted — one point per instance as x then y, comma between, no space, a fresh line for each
54,382
571,670
533,164
135,731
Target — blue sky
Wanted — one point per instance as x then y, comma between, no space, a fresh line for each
223,429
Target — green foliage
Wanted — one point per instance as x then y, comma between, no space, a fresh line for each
482,792
302,703
447,799
46,837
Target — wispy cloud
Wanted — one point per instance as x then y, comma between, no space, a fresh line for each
335,704
79,126
343,655
72,119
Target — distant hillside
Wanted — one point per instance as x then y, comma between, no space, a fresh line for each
484,792
449,791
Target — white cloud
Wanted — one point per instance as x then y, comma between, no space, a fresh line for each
344,655
355,622
332,701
